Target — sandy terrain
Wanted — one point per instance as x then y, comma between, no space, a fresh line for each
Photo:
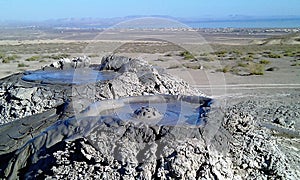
163,48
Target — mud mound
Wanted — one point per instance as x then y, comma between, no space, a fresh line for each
142,124
65,84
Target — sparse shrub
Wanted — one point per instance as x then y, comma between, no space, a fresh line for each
235,70
295,64
221,53
42,61
264,61
13,57
192,66
289,54
91,55
240,64
274,56
61,56
225,69
186,55
204,54
247,58
2,55
168,55
64,55
256,69
22,65
7,59
33,58
231,58
236,52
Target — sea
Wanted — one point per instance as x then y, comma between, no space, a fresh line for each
267,23
155,23
261,23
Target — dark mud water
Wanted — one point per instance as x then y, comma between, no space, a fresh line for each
71,76
161,110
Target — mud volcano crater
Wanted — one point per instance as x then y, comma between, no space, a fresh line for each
169,110
70,76
65,103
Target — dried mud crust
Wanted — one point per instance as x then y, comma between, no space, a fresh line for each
261,144
234,143
235,146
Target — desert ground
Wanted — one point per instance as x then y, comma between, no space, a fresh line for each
217,61
243,59
254,73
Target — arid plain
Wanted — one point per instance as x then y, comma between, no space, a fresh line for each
254,58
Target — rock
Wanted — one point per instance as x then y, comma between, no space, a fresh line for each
147,112
113,62
80,62
126,84
2,92
74,63
280,121
273,69
137,66
22,93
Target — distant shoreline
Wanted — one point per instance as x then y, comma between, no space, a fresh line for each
158,22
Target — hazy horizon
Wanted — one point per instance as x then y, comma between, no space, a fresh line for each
33,10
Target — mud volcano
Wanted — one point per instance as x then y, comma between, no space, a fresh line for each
117,114
136,122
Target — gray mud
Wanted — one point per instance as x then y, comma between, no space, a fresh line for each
113,129
21,98
70,76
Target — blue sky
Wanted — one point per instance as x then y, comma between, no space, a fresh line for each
55,9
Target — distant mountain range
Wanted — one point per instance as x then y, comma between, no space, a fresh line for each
108,22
